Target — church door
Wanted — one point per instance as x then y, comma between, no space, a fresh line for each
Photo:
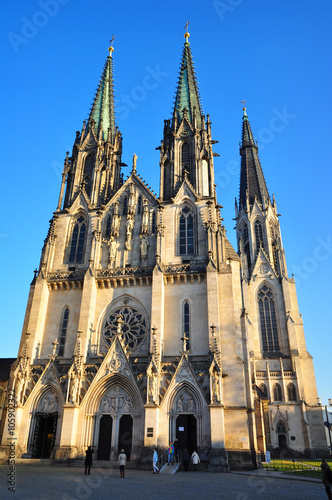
44,436
186,432
105,435
126,434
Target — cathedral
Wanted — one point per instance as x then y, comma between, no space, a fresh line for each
144,325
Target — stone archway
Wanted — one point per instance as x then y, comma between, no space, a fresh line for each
45,426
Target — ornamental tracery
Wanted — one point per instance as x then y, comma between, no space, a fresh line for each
133,328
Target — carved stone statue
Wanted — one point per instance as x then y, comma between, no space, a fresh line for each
115,221
113,248
144,247
215,387
129,228
145,217
152,388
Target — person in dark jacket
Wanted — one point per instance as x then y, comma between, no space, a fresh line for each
186,459
326,478
88,460
176,445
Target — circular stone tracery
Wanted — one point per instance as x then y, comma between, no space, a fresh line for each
133,328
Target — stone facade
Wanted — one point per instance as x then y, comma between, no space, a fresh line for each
143,324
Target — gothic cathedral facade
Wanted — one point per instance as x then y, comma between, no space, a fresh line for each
143,324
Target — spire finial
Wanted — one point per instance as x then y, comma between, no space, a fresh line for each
111,48
187,35
244,108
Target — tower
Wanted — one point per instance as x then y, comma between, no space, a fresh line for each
280,366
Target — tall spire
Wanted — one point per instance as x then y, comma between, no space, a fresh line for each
252,183
187,94
102,113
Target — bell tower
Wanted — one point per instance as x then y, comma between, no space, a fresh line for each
95,165
186,148
257,225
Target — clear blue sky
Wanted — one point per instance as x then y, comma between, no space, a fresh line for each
276,55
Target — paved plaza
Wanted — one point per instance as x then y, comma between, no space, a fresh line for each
35,482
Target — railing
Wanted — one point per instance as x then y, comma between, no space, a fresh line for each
184,268
125,271
67,275
163,458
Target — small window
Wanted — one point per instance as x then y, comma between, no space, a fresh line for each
186,231
291,392
153,224
78,240
258,234
186,322
277,394
139,205
108,227
63,331
125,206
263,388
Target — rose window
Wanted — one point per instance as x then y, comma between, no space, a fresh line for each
133,328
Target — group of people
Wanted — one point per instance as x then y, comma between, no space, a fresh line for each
122,459
173,453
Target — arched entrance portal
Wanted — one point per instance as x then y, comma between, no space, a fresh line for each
282,433
186,422
186,432
45,427
115,424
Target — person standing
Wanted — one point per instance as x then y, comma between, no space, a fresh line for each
155,461
177,450
186,459
195,459
122,462
326,478
88,460
170,453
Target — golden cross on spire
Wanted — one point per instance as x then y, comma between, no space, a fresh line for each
243,102
186,35
111,48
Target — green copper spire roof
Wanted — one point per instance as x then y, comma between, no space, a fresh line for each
102,111
187,94
252,182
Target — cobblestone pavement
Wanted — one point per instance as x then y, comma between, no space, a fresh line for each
70,483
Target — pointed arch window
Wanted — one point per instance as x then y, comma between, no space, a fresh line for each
153,223
63,331
185,155
263,388
277,393
268,320
205,178
87,174
78,240
108,226
258,228
186,231
186,322
139,205
125,206
245,233
291,392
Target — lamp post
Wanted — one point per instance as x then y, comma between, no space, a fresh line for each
319,402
